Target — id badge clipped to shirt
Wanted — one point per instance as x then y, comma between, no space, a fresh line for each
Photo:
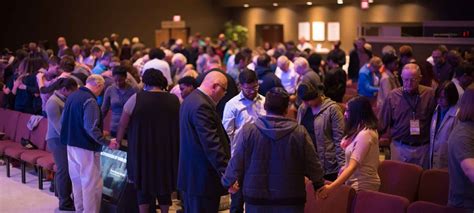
414,127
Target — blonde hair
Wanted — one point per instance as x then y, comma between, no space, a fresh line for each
375,61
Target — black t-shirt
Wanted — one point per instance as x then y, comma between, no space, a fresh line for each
308,122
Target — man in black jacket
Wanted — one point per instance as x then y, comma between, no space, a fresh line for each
272,157
204,146
266,76
358,57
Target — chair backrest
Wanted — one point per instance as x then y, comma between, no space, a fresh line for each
22,130
376,202
399,178
38,135
3,119
434,186
10,126
339,201
424,207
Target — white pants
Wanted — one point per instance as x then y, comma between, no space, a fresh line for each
418,155
84,169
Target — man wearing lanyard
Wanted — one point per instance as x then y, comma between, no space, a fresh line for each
406,112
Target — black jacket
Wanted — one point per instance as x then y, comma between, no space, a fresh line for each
204,147
266,79
354,63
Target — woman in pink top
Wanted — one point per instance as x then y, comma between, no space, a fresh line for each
361,146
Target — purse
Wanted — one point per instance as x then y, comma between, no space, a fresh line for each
27,144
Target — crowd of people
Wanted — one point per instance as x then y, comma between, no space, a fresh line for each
205,117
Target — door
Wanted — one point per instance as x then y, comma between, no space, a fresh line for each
272,33
161,37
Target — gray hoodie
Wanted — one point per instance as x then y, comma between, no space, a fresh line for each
271,159
329,131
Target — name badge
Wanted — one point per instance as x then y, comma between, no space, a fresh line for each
414,127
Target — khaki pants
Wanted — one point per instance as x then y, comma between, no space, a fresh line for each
418,155
84,169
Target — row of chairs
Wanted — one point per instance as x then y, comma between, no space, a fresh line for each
14,125
404,188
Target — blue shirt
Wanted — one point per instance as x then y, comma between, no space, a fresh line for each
365,86
99,69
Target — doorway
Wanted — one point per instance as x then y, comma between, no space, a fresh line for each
272,33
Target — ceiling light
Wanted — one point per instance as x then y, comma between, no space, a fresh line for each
371,1
275,4
340,2
309,3
246,5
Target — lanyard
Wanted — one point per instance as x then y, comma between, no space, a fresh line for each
412,107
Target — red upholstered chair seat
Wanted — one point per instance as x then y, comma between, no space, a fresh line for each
377,202
15,151
31,156
46,162
21,132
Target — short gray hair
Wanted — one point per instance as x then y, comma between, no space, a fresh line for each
180,57
412,66
95,80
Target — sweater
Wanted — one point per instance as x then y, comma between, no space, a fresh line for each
54,108
82,122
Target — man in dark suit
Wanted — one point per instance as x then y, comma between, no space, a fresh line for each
204,146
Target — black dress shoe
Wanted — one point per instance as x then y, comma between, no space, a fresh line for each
70,209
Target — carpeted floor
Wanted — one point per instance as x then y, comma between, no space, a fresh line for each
16,197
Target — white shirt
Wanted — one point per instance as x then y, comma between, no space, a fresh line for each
251,66
304,46
458,87
289,79
177,91
238,111
161,65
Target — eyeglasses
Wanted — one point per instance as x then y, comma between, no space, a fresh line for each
409,79
250,89
223,88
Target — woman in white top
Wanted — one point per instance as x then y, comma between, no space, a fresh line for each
361,146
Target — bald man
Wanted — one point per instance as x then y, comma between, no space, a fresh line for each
407,112
204,146
307,75
286,72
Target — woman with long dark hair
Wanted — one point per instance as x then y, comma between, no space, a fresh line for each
361,147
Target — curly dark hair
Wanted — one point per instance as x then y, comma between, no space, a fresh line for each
154,77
